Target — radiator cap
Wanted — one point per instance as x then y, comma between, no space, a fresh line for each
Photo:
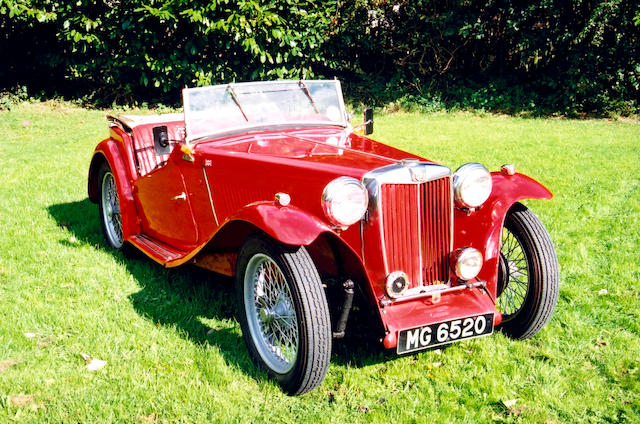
410,162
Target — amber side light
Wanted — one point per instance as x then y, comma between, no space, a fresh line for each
186,149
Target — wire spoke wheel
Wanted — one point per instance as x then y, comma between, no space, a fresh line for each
514,277
283,313
270,313
110,209
528,277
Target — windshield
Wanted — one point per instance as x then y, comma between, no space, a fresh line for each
235,107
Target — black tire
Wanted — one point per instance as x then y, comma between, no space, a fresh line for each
109,204
299,307
528,277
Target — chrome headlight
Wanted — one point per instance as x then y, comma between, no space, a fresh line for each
345,201
466,262
471,185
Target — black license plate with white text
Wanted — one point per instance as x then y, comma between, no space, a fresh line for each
444,332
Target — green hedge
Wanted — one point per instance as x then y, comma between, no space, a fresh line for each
561,56
555,55
127,50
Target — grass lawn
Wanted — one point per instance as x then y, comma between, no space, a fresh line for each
174,351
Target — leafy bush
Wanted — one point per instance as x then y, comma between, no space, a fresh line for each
550,55
131,49
572,57
10,98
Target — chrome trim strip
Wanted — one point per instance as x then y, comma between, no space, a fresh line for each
420,221
362,221
440,289
401,173
379,214
206,181
270,127
451,208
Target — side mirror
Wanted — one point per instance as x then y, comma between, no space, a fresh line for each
368,121
161,140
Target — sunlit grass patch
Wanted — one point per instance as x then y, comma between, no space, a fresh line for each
174,351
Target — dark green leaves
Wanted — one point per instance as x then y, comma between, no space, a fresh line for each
139,49
567,57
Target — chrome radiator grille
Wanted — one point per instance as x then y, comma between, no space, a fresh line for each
416,221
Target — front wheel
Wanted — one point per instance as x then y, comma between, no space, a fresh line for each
528,277
283,313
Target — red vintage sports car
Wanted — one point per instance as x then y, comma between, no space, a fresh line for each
269,183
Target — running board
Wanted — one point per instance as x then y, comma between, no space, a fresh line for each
155,249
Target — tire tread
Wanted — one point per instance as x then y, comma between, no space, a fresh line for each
303,268
527,227
314,324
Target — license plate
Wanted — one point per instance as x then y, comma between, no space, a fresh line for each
444,333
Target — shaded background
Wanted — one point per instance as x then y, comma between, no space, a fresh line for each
548,56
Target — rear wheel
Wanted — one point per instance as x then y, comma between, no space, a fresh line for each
528,278
283,313
110,216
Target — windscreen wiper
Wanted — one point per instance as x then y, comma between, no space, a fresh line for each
235,100
304,88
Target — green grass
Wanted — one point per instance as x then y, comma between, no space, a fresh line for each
174,351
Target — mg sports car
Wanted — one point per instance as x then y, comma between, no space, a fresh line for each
269,183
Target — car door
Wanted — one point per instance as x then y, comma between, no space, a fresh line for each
167,213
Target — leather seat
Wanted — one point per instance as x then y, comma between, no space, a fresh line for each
146,156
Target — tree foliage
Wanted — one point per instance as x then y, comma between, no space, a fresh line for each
552,55
131,49
556,55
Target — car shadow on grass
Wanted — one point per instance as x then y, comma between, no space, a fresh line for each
186,296
199,304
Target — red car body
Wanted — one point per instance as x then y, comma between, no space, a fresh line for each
269,183
241,175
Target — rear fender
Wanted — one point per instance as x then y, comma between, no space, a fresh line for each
482,228
288,225
108,151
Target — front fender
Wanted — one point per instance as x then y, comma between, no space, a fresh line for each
482,228
287,224
108,150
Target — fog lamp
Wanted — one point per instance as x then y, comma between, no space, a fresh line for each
466,262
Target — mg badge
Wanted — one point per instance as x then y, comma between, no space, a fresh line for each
418,174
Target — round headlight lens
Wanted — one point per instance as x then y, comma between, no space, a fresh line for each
467,262
345,201
471,185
